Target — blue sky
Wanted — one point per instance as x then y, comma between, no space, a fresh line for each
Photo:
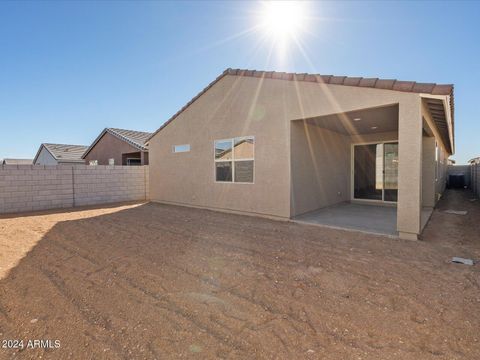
69,69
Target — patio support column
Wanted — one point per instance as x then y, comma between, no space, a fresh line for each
142,158
409,169
428,174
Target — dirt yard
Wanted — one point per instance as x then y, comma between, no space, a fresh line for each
150,281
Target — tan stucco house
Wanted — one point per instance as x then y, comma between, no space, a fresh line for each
283,144
118,147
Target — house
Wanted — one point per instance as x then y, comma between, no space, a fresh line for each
285,144
59,154
118,147
17,162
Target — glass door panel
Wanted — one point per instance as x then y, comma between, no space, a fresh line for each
368,171
391,172
375,172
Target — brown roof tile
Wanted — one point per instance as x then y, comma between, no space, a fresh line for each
337,80
442,90
403,85
384,84
310,77
326,78
368,82
300,77
423,88
352,81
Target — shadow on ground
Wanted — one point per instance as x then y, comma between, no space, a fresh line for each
158,281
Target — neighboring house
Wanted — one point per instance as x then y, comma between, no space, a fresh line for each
118,147
17,162
59,154
313,141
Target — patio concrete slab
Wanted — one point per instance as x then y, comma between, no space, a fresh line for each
376,219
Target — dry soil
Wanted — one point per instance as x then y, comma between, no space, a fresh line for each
151,281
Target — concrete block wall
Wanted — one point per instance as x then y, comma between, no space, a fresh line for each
26,188
475,178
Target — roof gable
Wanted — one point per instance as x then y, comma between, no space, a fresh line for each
63,152
137,139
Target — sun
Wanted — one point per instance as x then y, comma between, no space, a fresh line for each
283,20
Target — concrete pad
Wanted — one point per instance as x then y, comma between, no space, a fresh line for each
456,212
375,219
464,261
425,214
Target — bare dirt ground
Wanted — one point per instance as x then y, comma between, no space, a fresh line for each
153,281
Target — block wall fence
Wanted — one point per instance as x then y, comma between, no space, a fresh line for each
475,178
35,187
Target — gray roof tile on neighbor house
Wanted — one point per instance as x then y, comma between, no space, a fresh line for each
17,161
64,152
375,83
137,139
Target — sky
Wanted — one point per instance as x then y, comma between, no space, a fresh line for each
70,69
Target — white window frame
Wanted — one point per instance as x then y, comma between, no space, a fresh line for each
233,159
175,151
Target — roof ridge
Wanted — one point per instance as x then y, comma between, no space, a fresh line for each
337,79
137,131
64,144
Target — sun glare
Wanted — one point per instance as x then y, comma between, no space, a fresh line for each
283,19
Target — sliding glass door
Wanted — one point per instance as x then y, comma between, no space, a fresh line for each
375,171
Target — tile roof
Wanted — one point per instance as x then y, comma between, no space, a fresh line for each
17,161
137,139
376,83
64,152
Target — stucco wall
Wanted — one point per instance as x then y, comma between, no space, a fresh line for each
434,166
442,172
320,161
45,158
109,147
225,111
35,187
241,106
322,165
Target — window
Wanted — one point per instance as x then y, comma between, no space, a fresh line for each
181,148
134,161
234,160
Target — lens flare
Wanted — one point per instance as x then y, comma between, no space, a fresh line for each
283,20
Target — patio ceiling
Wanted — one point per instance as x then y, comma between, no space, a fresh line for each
366,121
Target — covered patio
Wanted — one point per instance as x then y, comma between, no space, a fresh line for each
373,219
375,169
